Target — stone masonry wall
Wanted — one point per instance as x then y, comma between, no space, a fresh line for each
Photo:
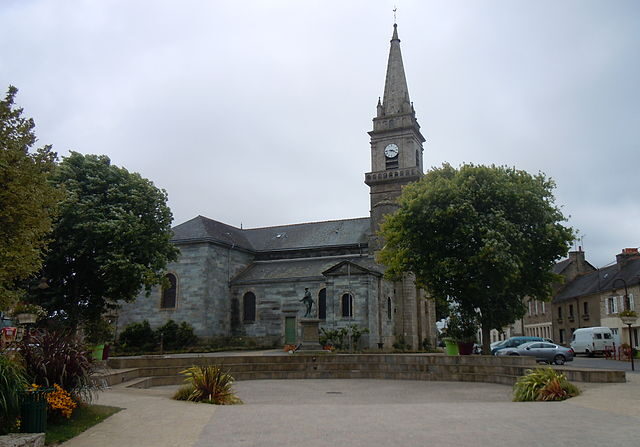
203,272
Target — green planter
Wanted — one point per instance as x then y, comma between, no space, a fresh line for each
451,347
33,414
96,351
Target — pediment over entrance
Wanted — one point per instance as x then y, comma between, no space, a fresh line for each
349,268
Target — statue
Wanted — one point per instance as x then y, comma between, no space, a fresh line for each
308,301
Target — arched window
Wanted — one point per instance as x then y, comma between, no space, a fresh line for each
249,307
389,308
322,304
169,292
347,305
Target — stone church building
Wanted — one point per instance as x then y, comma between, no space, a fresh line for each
231,281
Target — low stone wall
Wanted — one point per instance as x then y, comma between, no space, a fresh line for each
160,370
22,440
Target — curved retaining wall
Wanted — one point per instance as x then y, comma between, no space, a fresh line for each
160,370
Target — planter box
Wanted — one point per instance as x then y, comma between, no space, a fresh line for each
26,318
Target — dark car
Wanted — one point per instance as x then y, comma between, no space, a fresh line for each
542,351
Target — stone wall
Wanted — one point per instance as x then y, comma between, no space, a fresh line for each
203,271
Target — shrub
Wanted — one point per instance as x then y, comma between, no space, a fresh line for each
401,344
54,357
138,336
543,384
208,384
12,382
98,331
176,336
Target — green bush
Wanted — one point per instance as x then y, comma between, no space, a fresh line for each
12,384
138,336
176,336
98,331
401,344
543,384
208,384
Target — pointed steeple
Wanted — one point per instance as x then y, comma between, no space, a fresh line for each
396,94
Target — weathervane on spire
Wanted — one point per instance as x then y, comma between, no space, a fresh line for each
394,13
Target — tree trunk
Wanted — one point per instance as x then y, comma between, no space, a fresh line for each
486,339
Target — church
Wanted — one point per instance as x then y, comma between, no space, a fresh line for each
232,281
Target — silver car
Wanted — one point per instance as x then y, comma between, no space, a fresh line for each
542,351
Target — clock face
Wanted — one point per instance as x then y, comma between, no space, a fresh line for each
391,150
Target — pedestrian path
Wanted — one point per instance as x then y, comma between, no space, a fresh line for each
369,413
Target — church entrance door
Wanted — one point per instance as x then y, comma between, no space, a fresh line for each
290,331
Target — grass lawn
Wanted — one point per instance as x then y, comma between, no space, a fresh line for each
83,418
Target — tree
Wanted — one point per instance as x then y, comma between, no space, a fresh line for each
110,241
27,200
482,237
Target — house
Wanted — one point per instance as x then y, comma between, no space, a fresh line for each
538,320
595,299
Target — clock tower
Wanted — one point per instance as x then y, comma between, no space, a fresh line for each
396,160
396,143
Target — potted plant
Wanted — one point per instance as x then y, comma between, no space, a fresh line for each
462,329
628,317
96,334
26,313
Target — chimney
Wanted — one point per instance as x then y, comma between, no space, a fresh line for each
577,257
627,255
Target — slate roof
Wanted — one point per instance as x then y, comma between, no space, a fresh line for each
559,267
284,237
601,280
307,268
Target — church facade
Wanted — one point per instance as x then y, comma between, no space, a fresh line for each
230,281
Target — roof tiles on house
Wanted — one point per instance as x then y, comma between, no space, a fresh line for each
602,280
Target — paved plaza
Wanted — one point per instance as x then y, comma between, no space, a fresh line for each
358,412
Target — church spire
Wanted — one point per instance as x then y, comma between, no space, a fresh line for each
396,94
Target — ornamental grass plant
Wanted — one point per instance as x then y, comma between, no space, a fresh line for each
543,384
59,358
209,384
12,384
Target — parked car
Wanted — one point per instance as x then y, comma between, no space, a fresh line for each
591,340
542,351
513,342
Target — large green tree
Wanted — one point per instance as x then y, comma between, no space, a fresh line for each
483,237
109,242
27,199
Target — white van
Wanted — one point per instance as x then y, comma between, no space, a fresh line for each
591,340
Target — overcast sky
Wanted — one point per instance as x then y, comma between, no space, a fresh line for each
257,112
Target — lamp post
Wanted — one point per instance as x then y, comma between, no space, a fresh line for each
629,320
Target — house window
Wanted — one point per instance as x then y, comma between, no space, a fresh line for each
169,292
632,305
536,306
389,312
347,305
562,336
560,312
585,308
322,304
612,305
543,307
249,307
570,310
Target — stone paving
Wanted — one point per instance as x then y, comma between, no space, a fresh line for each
369,413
